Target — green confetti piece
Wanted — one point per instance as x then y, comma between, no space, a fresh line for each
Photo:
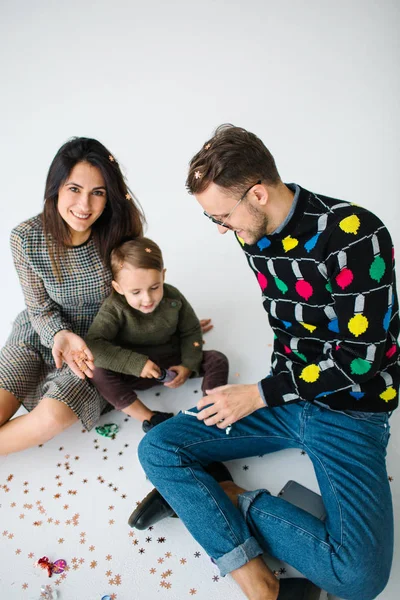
329,287
108,430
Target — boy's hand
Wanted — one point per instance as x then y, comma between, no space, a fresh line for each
183,373
150,370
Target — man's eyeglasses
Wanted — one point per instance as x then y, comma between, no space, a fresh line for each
223,223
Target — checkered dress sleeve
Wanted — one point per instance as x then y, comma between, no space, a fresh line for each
44,313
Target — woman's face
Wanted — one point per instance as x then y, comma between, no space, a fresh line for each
81,200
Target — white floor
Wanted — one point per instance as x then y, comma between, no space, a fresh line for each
71,498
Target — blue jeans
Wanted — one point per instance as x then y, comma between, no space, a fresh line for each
348,555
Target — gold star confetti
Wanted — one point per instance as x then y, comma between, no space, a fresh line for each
111,158
196,344
22,516
31,555
18,551
61,540
24,586
128,196
148,250
197,174
93,564
109,557
193,591
108,573
91,548
168,554
183,561
153,570
207,146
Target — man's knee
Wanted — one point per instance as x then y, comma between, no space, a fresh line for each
151,446
363,581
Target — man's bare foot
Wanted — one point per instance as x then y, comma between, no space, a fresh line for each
256,580
232,490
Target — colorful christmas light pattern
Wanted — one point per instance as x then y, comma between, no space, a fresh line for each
327,284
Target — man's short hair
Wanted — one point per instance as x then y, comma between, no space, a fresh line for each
233,159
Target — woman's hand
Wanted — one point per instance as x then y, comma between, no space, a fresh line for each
71,349
229,403
206,325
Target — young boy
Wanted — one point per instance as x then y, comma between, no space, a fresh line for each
144,327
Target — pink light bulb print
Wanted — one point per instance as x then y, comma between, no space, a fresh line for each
303,287
262,280
345,276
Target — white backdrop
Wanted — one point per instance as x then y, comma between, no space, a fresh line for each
317,80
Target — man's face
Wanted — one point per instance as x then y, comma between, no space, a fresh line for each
248,220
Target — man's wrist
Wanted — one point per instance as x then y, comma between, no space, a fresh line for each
258,398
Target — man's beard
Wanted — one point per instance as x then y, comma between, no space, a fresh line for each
259,226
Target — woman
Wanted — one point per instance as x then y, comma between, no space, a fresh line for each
62,260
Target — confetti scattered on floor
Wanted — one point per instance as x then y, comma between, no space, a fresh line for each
64,501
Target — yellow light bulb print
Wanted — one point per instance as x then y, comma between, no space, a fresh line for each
358,325
289,243
350,224
310,373
310,328
388,394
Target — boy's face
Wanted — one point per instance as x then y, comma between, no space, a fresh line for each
142,288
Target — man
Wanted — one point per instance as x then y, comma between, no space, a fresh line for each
325,268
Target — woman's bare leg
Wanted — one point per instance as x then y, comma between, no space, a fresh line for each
45,421
8,406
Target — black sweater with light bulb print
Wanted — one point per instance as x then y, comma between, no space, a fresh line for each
328,285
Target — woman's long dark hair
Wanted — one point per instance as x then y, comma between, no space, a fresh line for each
122,216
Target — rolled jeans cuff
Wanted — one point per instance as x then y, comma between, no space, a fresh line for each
246,499
239,556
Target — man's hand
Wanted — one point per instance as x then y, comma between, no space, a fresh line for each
183,373
150,370
71,349
229,403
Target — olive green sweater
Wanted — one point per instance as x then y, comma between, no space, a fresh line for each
123,339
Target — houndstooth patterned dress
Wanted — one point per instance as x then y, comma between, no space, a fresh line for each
27,367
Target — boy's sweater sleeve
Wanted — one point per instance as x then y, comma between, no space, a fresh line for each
107,354
361,275
191,338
